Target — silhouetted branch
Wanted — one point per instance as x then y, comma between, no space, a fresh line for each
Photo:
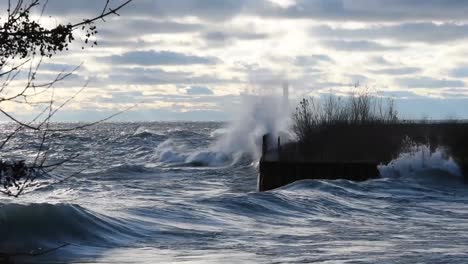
21,36
24,40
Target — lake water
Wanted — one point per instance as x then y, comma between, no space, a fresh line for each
187,193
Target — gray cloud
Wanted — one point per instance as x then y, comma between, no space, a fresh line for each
74,8
370,10
360,45
158,58
139,75
399,94
455,93
312,60
418,32
139,27
379,60
335,10
130,33
45,76
428,82
142,115
397,71
411,22
59,67
122,97
460,72
122,43
211,10
198,90
145,76
227,36
207,107
357,78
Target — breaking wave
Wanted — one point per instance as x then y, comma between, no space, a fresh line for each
171,152
34,226
420,160
144,133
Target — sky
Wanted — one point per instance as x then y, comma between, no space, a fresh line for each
195,59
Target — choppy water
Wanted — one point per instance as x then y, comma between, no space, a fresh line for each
177,192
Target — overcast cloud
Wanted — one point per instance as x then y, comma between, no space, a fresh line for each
197,56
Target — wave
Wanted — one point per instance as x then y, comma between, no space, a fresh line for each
209,158
33,226
173,153
144,133
218,132
127,168
184,134
420,160
300,200
167,152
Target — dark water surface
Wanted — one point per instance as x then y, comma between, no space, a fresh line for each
186,193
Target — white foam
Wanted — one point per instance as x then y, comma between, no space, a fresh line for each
168,153
257,116
143,130
420,158
218,132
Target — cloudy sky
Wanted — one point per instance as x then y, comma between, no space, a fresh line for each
193,59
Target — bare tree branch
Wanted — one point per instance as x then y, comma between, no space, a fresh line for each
23,40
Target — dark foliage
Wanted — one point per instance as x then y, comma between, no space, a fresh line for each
364,128
11,173
21,36
313,115
383,142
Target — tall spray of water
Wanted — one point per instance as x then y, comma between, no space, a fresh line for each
256,116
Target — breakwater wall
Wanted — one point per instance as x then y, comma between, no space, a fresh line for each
353,152
274,174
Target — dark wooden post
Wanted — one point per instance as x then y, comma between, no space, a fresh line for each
279,148
264,145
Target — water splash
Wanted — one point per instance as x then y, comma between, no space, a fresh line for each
420,158
257,116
